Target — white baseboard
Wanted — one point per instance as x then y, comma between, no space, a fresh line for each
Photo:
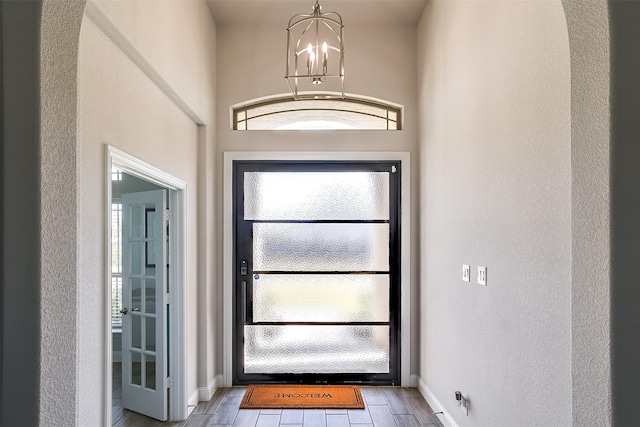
206,393
445,418
219,381
413,381
193,401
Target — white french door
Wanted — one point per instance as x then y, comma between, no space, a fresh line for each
144,312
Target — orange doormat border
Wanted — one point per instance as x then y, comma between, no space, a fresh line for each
284,396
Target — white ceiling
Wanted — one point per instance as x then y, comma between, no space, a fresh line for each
352,11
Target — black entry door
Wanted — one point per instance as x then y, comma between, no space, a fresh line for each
317,272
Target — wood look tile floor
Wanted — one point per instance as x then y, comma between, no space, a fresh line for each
385,407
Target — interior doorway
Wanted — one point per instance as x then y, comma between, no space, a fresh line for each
139,281
145,343
317,283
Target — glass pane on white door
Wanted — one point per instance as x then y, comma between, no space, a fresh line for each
150,295
136,368
150,371
136,331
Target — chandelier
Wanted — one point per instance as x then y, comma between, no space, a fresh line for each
315,55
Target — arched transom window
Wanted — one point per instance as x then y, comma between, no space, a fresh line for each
283,113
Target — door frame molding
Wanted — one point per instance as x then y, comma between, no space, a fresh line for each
177,198
405,233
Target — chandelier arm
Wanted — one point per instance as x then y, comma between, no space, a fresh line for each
300,38
338,20
302,16
288,57
313,18
333,30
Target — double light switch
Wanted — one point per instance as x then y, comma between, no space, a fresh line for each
482,274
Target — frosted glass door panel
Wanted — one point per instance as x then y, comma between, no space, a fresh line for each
321,298
316,196
320,247
301,349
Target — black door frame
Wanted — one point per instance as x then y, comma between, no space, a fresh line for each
242,251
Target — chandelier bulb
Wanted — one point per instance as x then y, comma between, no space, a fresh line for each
309,56
324,57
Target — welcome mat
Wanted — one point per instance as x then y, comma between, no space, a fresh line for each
281,396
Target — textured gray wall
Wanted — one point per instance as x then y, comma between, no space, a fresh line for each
59,314
590,202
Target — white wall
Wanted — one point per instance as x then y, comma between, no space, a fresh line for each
379,62
495,156
146,80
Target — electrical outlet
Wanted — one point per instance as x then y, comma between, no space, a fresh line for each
466,273
482,276
464,405
463,402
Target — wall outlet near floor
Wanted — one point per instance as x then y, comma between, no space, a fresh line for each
482,276
463,402
464,405
466,273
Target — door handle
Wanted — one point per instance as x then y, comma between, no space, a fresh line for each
124,310
244,298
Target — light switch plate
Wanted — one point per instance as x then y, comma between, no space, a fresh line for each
482,276
466,273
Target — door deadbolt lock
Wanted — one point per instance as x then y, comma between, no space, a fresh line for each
243,268
124,310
